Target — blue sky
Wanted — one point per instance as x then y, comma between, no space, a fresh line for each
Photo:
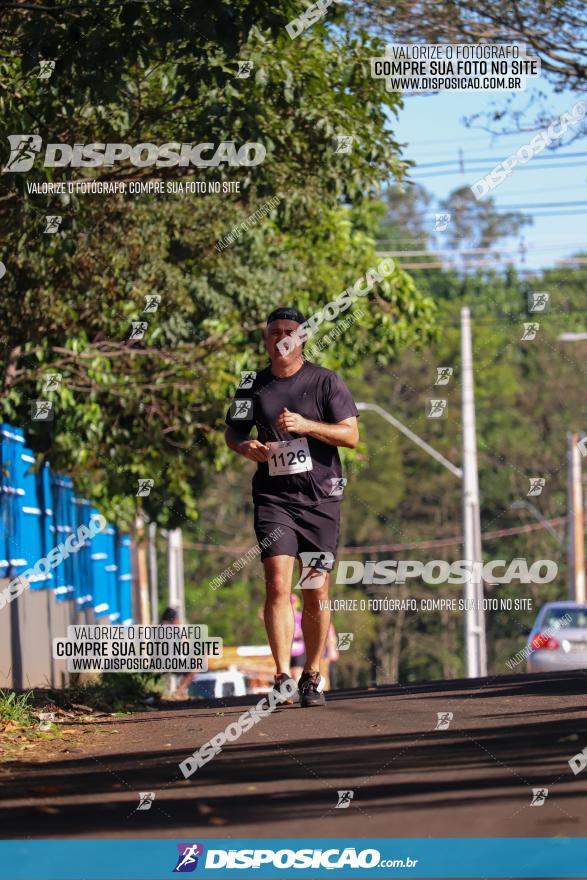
433,129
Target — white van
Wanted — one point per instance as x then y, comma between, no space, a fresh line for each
218,684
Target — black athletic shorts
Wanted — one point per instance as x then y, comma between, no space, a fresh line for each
292,531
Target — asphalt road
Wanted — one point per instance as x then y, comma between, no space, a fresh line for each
507,736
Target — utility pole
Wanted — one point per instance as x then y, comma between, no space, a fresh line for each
152,565
176,584
576,545
475,644
140,572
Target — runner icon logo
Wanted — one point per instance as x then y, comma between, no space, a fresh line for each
152,301
338,484
46,68
241,409
537,484
138,329
187,860
23,149
244,69
538,302
247,379
52,222
436,409
444,374
41,411
344,800
344,143
146,799
530,331
441,222
315,565
343,641
444,719
539,795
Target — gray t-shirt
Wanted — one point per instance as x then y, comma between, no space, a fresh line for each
314,393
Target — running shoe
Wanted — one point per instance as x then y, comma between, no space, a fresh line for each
310,686
279,680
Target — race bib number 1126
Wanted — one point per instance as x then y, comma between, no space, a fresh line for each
289,457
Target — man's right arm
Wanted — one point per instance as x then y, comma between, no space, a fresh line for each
246,446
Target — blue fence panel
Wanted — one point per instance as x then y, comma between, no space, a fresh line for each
39,511
13,553
83,579
62,490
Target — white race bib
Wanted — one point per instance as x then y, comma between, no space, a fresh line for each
289,457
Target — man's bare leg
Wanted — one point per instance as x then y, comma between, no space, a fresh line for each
278,612
315,620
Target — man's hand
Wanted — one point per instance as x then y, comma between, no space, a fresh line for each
292,422
254,450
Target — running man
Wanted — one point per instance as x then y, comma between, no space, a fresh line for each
302,413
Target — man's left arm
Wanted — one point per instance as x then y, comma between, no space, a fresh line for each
343,433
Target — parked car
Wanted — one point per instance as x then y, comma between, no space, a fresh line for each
558,639
218,684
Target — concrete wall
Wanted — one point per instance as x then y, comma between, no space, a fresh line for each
28,626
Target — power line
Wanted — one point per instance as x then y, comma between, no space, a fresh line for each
478,159
377,548
532,167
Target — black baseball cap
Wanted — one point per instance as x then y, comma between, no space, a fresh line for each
284,313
